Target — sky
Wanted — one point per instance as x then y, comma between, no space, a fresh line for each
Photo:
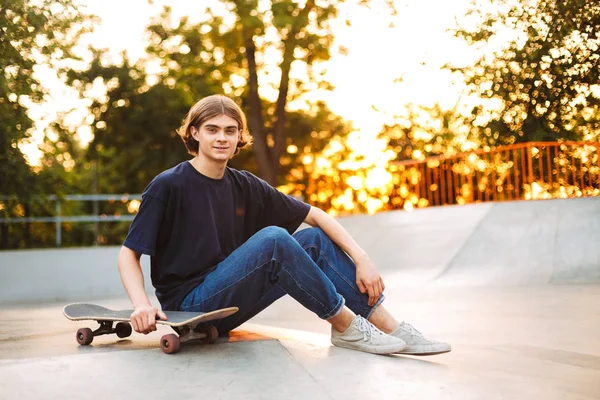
367,91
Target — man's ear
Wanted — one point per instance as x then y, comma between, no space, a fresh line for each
194,132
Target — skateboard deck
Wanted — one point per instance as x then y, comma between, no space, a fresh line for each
184,323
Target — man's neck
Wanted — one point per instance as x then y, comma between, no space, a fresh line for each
208,168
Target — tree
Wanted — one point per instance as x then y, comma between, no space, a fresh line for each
196,60
304,36
133,126
421,131
299,32
33,33
546,78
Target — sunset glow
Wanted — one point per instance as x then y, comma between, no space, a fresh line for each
382,70
380,64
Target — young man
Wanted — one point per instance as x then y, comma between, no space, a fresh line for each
219,237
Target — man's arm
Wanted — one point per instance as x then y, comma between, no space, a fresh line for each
367,278
144,314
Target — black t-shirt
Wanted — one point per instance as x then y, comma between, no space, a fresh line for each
188,223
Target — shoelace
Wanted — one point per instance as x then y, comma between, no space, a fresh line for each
368,329
413,330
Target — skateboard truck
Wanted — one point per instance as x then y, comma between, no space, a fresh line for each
85,336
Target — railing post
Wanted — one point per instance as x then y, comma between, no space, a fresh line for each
58,223
598,162
530,168
471,187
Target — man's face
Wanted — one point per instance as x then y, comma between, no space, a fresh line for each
218,138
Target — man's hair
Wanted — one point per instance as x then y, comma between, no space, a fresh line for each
211,107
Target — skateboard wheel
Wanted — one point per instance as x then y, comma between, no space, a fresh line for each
84,336
212,334
170,343
123,329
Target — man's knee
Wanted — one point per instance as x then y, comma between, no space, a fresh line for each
312,236
272,235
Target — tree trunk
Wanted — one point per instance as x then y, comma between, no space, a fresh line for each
280,113
286,65
256,125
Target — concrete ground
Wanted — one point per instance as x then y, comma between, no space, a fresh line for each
508,343
523,327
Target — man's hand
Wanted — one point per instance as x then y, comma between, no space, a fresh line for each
143,318
368,280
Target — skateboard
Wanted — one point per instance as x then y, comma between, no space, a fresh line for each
182,322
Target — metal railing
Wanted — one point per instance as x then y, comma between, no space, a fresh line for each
525,171
58,218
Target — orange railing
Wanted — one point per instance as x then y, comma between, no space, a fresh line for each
534,170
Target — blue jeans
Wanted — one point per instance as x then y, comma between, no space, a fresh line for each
308,266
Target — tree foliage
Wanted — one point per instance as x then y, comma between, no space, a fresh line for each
135,123
211,56
546,79
421,131
32,34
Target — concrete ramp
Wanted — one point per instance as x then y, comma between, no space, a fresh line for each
511,243
416,247
539,242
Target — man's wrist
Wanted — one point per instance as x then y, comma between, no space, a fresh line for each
141,304
360,257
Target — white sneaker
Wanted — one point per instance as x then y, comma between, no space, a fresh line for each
363,336
417,344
